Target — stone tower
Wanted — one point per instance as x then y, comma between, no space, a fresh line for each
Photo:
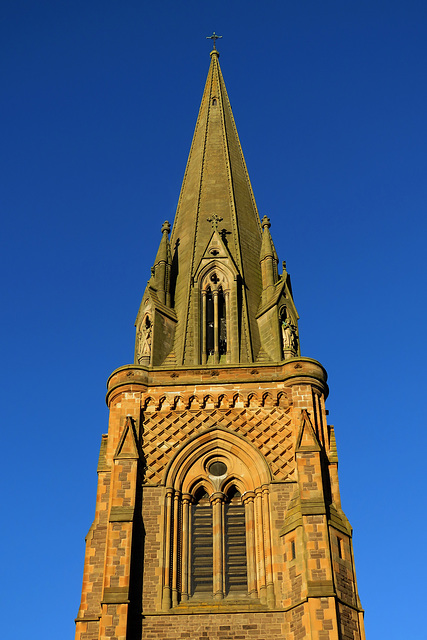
218,512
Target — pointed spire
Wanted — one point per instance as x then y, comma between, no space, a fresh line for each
215,296
216,182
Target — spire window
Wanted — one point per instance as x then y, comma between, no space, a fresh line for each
215,303
210,330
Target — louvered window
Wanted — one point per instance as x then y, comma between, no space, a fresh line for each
235,544
202,545
214,325
217,538
232,541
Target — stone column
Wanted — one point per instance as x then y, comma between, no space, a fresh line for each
218,578
248,501
260,547
204,357
216,326
228,324
268,546
166,601
185,542
176,505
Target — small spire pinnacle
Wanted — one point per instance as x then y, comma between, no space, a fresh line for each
213,37
265,222
166,227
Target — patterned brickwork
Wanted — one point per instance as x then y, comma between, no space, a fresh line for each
225,626
268,429
297,623
88,630
343,568
280,495
93,575
113,622
152,499
318,560
349,623
323,618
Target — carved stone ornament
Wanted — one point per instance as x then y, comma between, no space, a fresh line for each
289,334
145,338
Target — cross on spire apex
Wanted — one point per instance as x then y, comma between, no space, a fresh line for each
213,37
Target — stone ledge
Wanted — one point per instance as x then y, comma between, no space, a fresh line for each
121,514
320,588
116,595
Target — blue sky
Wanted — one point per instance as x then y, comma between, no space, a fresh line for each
99,105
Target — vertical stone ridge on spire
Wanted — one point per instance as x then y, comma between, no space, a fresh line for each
216,181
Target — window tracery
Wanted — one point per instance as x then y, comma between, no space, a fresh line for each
215,292
217,542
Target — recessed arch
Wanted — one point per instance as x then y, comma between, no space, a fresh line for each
253,470
215,267
217,523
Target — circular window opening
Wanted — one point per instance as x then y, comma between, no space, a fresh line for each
217,469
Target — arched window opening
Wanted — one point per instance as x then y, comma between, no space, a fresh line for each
217,539
214,102
201,544
222,324
215,303
210,331
236,579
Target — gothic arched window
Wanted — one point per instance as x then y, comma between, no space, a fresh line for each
215,310
217,540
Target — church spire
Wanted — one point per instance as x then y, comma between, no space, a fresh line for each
216,182
223,267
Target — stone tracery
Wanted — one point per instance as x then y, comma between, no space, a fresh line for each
237,500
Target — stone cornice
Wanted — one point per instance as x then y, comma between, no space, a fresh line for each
290,372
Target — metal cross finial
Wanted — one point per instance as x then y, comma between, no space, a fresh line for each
214,220
213,37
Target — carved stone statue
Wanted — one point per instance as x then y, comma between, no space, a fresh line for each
145,339
289,334
286,334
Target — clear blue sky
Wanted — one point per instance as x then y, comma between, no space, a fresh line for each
99,102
